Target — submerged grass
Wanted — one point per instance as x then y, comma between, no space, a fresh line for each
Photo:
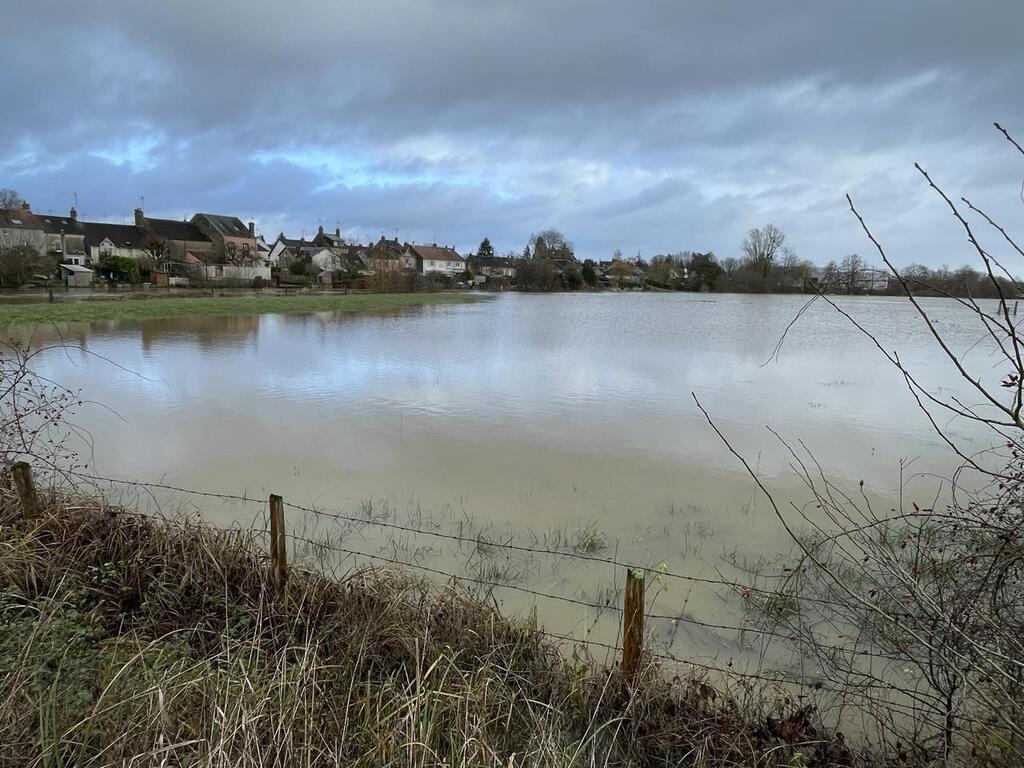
130,641
163,307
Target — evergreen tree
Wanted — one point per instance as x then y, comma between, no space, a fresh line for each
486,250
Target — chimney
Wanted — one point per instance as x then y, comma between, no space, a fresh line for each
252,229
74,213
140,219
320,231
26,207
337,231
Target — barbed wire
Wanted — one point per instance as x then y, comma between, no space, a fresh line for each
599,607
856,690
476,541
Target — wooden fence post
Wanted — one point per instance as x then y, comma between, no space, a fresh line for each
278,549
22,474
633,623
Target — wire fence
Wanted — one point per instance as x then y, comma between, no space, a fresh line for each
868,688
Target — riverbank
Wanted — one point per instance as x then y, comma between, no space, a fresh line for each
125,640
173,306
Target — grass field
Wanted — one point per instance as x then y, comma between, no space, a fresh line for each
21,314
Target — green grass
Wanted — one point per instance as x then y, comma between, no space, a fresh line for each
157,307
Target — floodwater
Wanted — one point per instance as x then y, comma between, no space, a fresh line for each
560,421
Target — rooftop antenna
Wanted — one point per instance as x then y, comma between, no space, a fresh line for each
75,196
142,202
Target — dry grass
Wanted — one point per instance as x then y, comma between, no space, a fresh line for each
129,641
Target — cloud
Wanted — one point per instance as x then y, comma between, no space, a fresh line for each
657,127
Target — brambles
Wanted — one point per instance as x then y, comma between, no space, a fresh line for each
926,600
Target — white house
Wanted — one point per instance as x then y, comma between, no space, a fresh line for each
103,240
496,266
434,258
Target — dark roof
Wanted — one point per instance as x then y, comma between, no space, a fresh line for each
495,261
54,225
121,235
436,253
229,226
19,218
168,229
293,243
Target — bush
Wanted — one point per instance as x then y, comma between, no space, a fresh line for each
18,264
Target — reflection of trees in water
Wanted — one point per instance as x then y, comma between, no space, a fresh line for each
213,332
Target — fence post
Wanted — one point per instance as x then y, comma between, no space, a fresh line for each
633,623
22,474
278,550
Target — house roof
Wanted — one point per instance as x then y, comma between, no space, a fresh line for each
121,235
54,225
290,242
169,229
19,218
227,226
500,262
435,253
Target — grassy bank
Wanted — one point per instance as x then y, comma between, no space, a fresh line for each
141,308
124,641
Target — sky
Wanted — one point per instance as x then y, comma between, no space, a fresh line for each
648,126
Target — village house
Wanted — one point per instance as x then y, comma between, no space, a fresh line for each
171,240
327,240
119,240
19,226
389,255
494,266
263,251
64,238
440,259
233,241
285,250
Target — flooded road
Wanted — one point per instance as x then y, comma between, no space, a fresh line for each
564,421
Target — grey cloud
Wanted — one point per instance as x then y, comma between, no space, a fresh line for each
656,126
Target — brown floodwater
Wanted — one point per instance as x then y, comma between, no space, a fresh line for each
563,421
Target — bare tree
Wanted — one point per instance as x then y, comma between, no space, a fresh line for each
762,246
9,198
851,271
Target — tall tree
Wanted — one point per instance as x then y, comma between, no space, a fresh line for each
551,244
589,273
486,250
851,272
762,246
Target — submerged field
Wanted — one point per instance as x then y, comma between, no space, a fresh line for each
164,307
127,641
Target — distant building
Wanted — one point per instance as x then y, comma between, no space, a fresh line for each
232,240
873,280
64,238
495,266
19,226
122,240
389,255
435,258
285,250
76,275
172,237
327,240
